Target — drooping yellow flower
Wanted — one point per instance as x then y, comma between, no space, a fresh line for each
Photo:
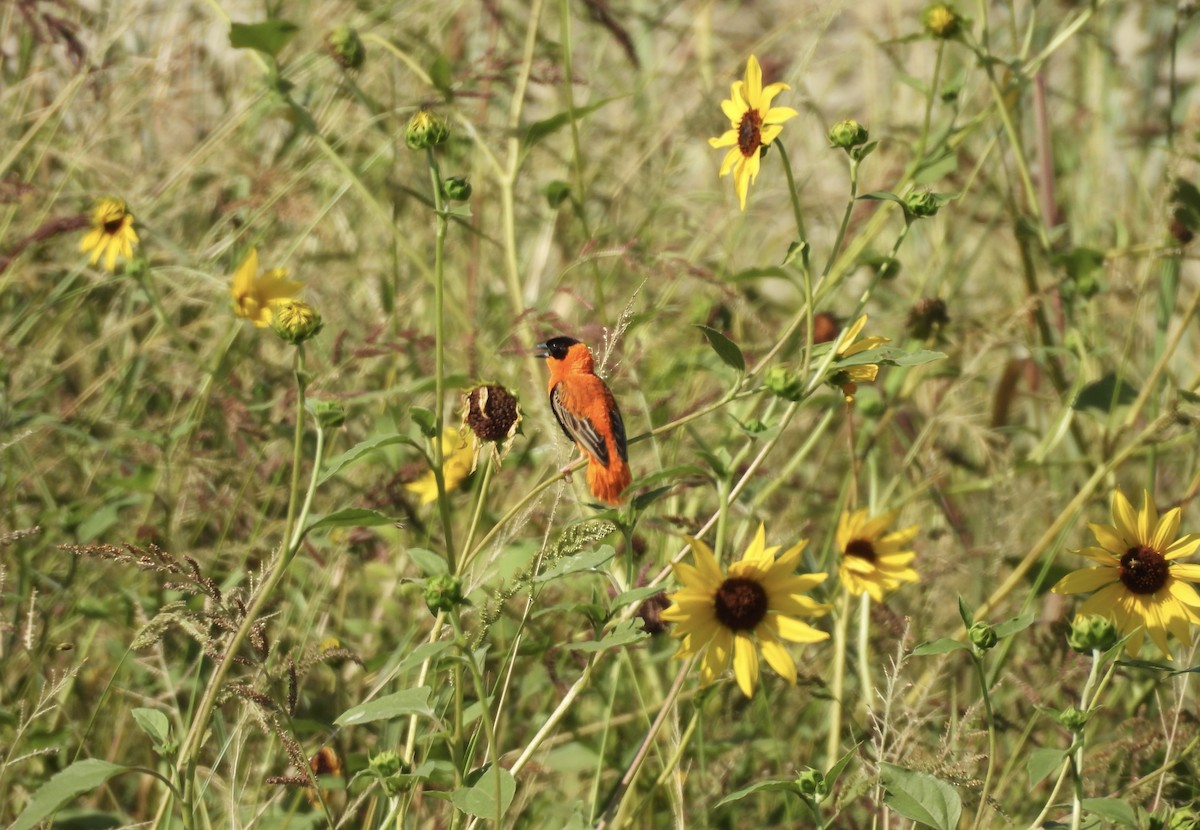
255,296
1138,581
847,379
755,124
872,559
754,607
112,233
458,459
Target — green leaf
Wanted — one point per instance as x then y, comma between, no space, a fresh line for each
939,647
1012,626
635,595
479,798
794,250
430,563
1105,393
644,500
439,74
725,348
766,785
963,611
921,797
1042,762
883,196
75,780
541,129
933,169
155,724
889,356
269,37
351,517
424,419
1113,809
588,560
360,451
389,707
625,633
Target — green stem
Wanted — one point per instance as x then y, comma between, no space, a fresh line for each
833,743
439,361
485,713
806,314
841,234
866,686
977,660
919,157
189,750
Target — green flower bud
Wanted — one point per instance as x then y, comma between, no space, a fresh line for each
811,784
386,764
557,192
983,636
922,204
1073,718
329,414
443,593
295,321
344,46
1092,632
847,133
457,188
426,130
783,382
942,21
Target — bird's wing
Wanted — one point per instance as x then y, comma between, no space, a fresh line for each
580,429
618,428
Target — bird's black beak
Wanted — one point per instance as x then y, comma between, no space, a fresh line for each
541,350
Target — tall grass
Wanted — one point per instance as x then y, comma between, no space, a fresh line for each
227,557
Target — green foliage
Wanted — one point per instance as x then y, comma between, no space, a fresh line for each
222,557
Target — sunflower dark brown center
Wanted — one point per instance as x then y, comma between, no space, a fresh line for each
862,548
114,225
741,604
492,412
750,132
1144,570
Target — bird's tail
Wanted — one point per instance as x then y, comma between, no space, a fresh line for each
607,483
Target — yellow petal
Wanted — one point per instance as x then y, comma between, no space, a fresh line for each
745,664
1085,579
777,115
729,138
753,89
776,655
1125,519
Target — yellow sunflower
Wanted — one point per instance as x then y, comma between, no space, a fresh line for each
1138,581
874,560
255,296
755,124
753,607
847,379
112,233
458,460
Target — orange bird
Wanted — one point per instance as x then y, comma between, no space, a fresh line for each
588,414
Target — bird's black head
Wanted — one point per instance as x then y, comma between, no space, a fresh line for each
555,347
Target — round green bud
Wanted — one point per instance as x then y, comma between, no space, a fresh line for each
1092,633
344,46
426,130
295,321
783,382
942,21
386,764
443,593
982,636
922,204
847,133
811,784
1073,718
457,188
557,192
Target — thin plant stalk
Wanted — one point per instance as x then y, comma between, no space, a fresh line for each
837,685
439,362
